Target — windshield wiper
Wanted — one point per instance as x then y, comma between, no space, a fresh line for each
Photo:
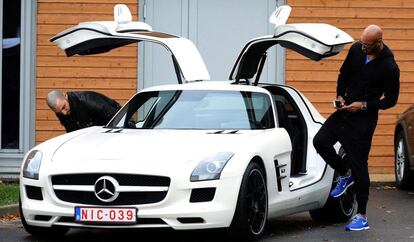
113,130
222,132
233,132
218,132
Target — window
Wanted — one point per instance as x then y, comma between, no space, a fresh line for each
197,109
17,88
10,79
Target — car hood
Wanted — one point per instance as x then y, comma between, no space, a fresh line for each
148,145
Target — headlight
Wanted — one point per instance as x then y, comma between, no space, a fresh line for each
211,167
32,165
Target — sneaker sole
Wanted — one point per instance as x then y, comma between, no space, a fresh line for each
346,188
360,229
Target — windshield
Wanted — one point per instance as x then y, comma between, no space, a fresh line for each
196,109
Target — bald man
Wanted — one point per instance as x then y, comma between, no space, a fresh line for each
368,81
77,110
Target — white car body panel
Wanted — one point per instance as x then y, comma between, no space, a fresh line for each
320,38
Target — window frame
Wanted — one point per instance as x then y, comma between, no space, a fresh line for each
10,159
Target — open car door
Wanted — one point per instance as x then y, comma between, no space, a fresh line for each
315,41
90,38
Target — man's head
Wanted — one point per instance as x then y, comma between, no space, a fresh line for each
371,40
58,102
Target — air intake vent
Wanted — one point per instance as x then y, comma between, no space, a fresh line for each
42,218
150,221
202,194
192,220
34,193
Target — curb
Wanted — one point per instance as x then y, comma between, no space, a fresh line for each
9,209
382,178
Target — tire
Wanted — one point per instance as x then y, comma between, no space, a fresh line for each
403,175
250,217
338,209
41,232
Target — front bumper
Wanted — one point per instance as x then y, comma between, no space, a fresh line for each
175,210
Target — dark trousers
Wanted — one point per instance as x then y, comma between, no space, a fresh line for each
354,131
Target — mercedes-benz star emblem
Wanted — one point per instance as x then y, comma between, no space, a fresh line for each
106,189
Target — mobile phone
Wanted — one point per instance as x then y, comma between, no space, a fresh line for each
337,104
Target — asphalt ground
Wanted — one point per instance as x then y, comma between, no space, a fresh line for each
390,214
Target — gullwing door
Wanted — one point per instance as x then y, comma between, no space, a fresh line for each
313,40
88,38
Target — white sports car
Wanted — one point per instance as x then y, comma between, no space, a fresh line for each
194,155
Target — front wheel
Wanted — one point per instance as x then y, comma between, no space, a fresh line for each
250,217
403,175
339,209
42,232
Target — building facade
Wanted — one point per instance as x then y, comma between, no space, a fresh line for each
31,66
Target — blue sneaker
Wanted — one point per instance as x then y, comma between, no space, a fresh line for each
358,223
343,183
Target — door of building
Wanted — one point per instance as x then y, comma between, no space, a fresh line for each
218,28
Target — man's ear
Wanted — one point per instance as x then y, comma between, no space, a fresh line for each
65,95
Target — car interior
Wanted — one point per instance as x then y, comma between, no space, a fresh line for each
291,119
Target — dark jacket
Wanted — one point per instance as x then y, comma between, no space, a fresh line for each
358,81
87,109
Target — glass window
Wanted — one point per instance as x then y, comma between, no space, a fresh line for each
197,109
10,79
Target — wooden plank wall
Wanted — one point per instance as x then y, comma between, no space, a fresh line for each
317,80
113,74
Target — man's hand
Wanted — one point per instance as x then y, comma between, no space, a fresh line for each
353,107
342,101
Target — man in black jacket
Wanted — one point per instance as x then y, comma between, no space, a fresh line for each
77,110
368,81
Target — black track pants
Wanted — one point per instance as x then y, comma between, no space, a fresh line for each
354,132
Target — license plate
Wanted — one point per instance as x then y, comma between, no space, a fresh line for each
105,215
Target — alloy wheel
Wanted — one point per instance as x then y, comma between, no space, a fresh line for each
348,201
400,160
257,201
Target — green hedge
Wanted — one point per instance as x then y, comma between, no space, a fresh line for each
9,194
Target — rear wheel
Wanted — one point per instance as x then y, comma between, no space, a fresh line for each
250,218
339,209
403,175
43,232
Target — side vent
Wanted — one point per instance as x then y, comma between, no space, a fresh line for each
280,174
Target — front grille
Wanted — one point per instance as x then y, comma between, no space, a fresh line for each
124,198
155,188
123,179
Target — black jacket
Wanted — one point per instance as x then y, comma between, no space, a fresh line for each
87,109
376,82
